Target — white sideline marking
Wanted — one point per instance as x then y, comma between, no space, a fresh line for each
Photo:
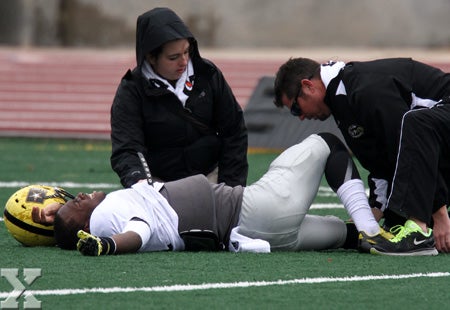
20,184
322,192
314,206
65,185
327,206
207,286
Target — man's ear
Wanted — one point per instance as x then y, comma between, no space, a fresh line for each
307,86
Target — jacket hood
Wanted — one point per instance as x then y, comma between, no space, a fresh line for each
157,27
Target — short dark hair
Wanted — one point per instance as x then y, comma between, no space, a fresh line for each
65,232
289,76
155,53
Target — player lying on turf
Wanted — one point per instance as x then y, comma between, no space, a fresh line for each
193,214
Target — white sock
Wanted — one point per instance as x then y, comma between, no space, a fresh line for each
353,196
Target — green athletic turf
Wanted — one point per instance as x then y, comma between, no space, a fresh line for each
326,280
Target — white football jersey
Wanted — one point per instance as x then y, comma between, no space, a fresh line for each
141,202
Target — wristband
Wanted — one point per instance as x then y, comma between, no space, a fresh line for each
108,246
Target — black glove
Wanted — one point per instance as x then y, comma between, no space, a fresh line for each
91,245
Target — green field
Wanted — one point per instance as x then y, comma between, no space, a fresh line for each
306,280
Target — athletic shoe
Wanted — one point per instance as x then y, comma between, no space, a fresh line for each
409,240
367,242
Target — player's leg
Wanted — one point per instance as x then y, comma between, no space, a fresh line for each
274,207
343,177
321,233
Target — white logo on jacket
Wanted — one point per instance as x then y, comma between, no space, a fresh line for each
355,131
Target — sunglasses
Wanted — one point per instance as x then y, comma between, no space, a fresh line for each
295,107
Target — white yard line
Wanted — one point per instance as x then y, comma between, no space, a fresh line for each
245,284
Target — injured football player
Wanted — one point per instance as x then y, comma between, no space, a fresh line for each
193,214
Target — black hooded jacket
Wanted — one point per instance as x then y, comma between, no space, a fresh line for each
144,118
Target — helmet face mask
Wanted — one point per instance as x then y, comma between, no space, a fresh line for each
17,214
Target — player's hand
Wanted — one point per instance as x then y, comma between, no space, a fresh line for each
90,245
45,216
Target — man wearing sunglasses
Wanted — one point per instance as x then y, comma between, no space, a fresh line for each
394,115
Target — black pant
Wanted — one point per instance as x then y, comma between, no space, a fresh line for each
422,177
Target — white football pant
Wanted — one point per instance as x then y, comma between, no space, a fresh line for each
275,207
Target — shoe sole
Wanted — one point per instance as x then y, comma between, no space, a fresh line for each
424,252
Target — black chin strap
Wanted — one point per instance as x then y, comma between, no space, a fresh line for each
61,193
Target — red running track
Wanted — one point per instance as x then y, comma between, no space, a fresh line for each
68,93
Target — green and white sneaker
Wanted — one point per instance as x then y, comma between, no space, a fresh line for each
409,240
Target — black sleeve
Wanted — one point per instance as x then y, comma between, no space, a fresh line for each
339,167
232,131
127,137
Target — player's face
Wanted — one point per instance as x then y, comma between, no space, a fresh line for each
80,208
172,61
309,101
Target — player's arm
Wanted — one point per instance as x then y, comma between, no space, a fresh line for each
127,242
134,235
